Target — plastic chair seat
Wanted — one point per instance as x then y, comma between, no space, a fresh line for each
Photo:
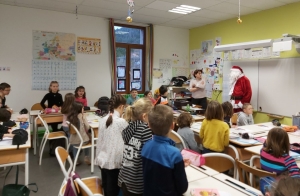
55,135
93,183
89,145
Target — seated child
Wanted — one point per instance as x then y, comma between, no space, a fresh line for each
133,97
275,154
184,122
80,95
149,95
163,165
245,117
214,131
228,112
163,93
286,186
4,117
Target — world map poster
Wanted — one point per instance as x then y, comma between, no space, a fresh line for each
53,46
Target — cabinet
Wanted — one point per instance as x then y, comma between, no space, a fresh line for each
179,92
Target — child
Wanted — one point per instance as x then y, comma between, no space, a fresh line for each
286,187
163,166
214,131
163,92
245,117
133,97
275,154
110,145
228,112
5,90
149,95
65,110
197,88
4,117
54,100
77,117
135,136
184,122
80,95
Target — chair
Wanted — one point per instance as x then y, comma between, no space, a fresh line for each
234,119
220,162
74,130
50,136
241,166
96,104
233,152
36,106
87,186
177,138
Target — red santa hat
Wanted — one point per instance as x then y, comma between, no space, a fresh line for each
237,67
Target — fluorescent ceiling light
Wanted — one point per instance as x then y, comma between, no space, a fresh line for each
244,45
184,9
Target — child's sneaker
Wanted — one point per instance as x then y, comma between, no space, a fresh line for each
87,160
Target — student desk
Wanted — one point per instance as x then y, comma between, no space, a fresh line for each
224,187
197,118
49,118
10,155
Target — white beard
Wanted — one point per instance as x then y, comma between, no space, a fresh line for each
234,75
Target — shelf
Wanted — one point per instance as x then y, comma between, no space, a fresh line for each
275,116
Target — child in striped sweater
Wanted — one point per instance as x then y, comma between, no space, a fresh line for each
275,154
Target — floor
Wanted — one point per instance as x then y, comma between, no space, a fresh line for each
48,176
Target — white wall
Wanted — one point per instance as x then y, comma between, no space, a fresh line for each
166,41
16,25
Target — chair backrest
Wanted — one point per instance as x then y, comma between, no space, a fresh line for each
62,156
96,104
44,124
86,189
176,138
234,118
220,162
80,145
242,167
232,151
36,106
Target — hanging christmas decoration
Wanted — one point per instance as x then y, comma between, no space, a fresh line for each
76,12
239,20
130,10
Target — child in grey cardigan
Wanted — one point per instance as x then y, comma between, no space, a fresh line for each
184,122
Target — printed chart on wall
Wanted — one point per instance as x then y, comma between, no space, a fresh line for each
64,72
53,46
87,45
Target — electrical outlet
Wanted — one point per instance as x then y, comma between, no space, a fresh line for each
217,87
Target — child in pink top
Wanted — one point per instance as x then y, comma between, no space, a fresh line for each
149,95
80,95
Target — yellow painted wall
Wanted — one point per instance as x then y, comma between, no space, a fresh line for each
269,24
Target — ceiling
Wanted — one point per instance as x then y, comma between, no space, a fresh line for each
156,11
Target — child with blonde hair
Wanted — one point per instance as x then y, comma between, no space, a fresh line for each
214,131
134,137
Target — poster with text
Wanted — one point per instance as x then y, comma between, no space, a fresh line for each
88,45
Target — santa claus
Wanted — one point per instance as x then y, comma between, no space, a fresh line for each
240,88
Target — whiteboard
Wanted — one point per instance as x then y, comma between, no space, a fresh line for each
279,86
250,69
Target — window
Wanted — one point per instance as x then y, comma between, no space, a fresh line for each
130,53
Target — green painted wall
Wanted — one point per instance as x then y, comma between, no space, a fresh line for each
269,24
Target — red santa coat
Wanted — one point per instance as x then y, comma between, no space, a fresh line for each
242,92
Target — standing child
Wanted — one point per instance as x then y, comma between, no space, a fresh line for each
245,117
274,156
134,137
78,119
163,93
214,131
65,110
110,145
54,100
184,122
149,95
80,95
228,112
133,97
163,166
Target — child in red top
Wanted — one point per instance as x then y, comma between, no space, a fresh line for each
80,95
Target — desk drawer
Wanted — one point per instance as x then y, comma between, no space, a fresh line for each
12,156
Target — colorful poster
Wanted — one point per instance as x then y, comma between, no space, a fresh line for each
87,45
217,41
207,46
64,72
53,46
178,71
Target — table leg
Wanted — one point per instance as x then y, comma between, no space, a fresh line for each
27,167
34,136
92,151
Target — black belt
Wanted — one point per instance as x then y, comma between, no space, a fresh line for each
236,97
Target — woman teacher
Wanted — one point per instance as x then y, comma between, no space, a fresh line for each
197,88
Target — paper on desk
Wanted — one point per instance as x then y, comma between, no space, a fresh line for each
239,130
247,141
265,127
196,125
6,141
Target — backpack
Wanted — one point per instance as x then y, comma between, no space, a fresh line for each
103,104
20,137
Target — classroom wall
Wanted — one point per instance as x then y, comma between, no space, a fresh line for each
269,24
16,25
166,41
